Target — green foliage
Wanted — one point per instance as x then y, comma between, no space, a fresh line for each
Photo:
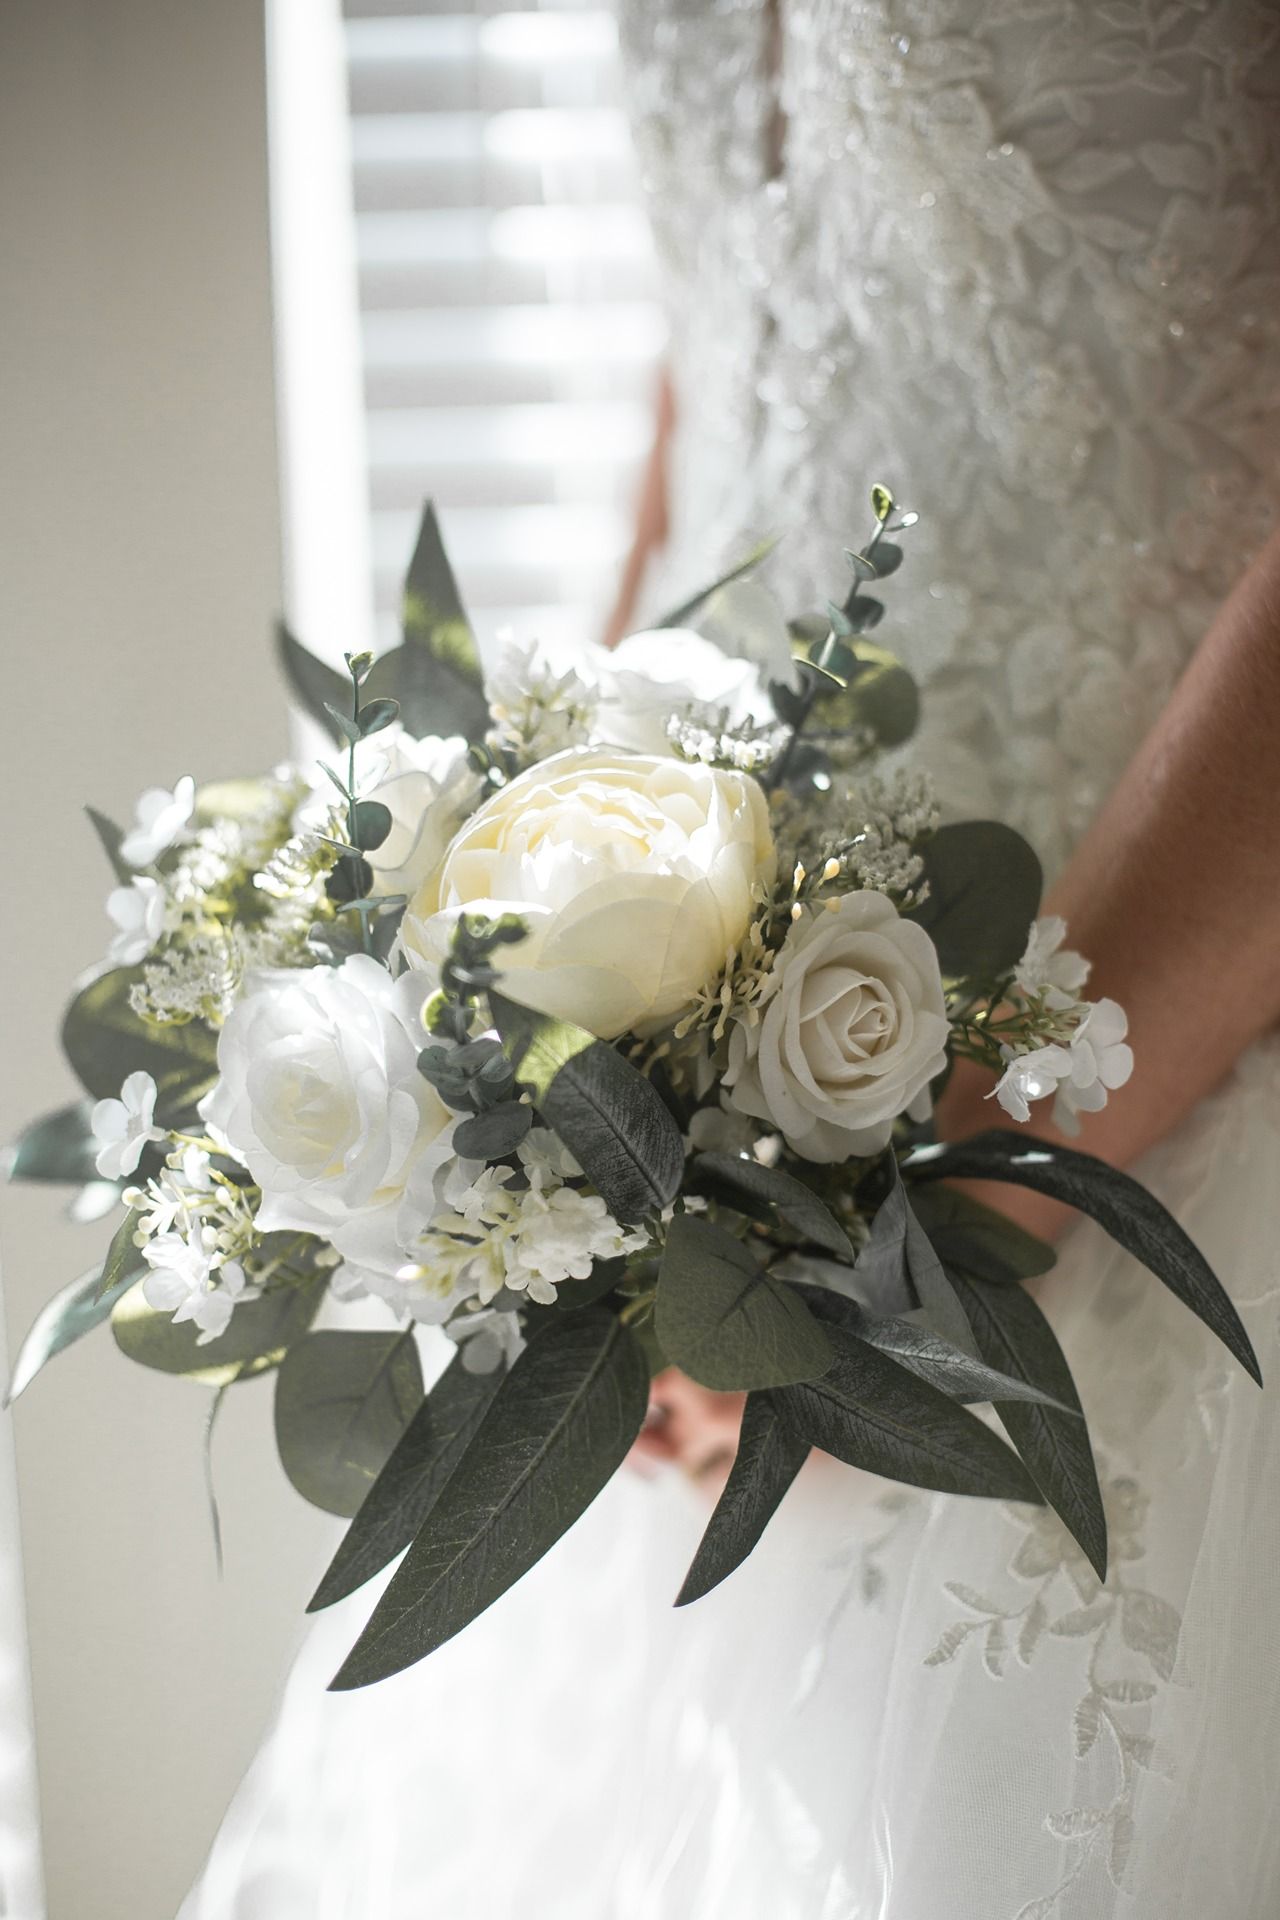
437,674
770,1455
343,1400
872,1413
955,1371
105,1040
681,616
111,835
1132,1216
559,1426
612,1120
1013,1335
970,1238
260,1334
725,1321
775,1193
858,684
984,892
60,1146
495,1134
77,1308
420,1466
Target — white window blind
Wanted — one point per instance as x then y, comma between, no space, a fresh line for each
509,327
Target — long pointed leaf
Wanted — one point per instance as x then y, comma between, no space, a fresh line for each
872,1413
436,675
110,836
609,1116
770,1455
1131,1215
58,1146
74,1311
955,1371
315,686
560,1425
680,616
409,1485
1014,1336
778,1191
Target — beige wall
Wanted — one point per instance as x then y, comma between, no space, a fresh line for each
139,570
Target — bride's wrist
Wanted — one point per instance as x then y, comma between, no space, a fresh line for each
966,1107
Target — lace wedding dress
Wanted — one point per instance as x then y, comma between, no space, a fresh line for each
1020,260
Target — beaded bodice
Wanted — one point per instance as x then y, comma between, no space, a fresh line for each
1021,261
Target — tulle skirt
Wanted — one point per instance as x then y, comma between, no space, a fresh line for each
904,1707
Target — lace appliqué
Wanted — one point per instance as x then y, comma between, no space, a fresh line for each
1129,1636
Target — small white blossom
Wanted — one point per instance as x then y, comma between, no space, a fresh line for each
1049,968
487,1339
138,914
194,1228
560,1236
1030,1076
186,1285
123,1127
160,818
1101,1061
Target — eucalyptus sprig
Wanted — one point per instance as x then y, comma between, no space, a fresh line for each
350,883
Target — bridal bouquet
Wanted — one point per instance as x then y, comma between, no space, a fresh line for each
590,1008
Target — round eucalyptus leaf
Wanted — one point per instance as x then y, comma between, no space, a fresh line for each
343,1399
984,892
870,688
60,1146
260,1334
105,1040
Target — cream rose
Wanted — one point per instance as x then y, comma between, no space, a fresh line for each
319,1092
635,875
852,1032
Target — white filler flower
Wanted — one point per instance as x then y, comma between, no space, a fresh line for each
1101,1061
123,1127
159,820
853,1029
137,913
319,1092
636,876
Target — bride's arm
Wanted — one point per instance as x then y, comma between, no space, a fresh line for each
651,520
1174,893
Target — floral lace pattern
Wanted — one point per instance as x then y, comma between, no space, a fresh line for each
1023,262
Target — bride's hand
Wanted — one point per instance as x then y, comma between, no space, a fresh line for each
690,1427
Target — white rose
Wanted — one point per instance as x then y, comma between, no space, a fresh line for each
853,1030
319,1093
635,875
650,676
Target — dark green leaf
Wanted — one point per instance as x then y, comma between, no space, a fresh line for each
124,1261
436,675
604,1276
76,1310
260,1334
781,1192
559,1426
105,1041
607,1114
343,1400
872,1413
495,1134
975,1239
725,1321
933,1289
341,722
60,1146
317,689
1131,1215
770,1455
898,1269
111,835
984,892
953,1370
410,1483
680,616
1014,1336
864,685
372,824
377,714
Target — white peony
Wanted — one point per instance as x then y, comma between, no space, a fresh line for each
159,820
636,876
319,1093
852,1030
